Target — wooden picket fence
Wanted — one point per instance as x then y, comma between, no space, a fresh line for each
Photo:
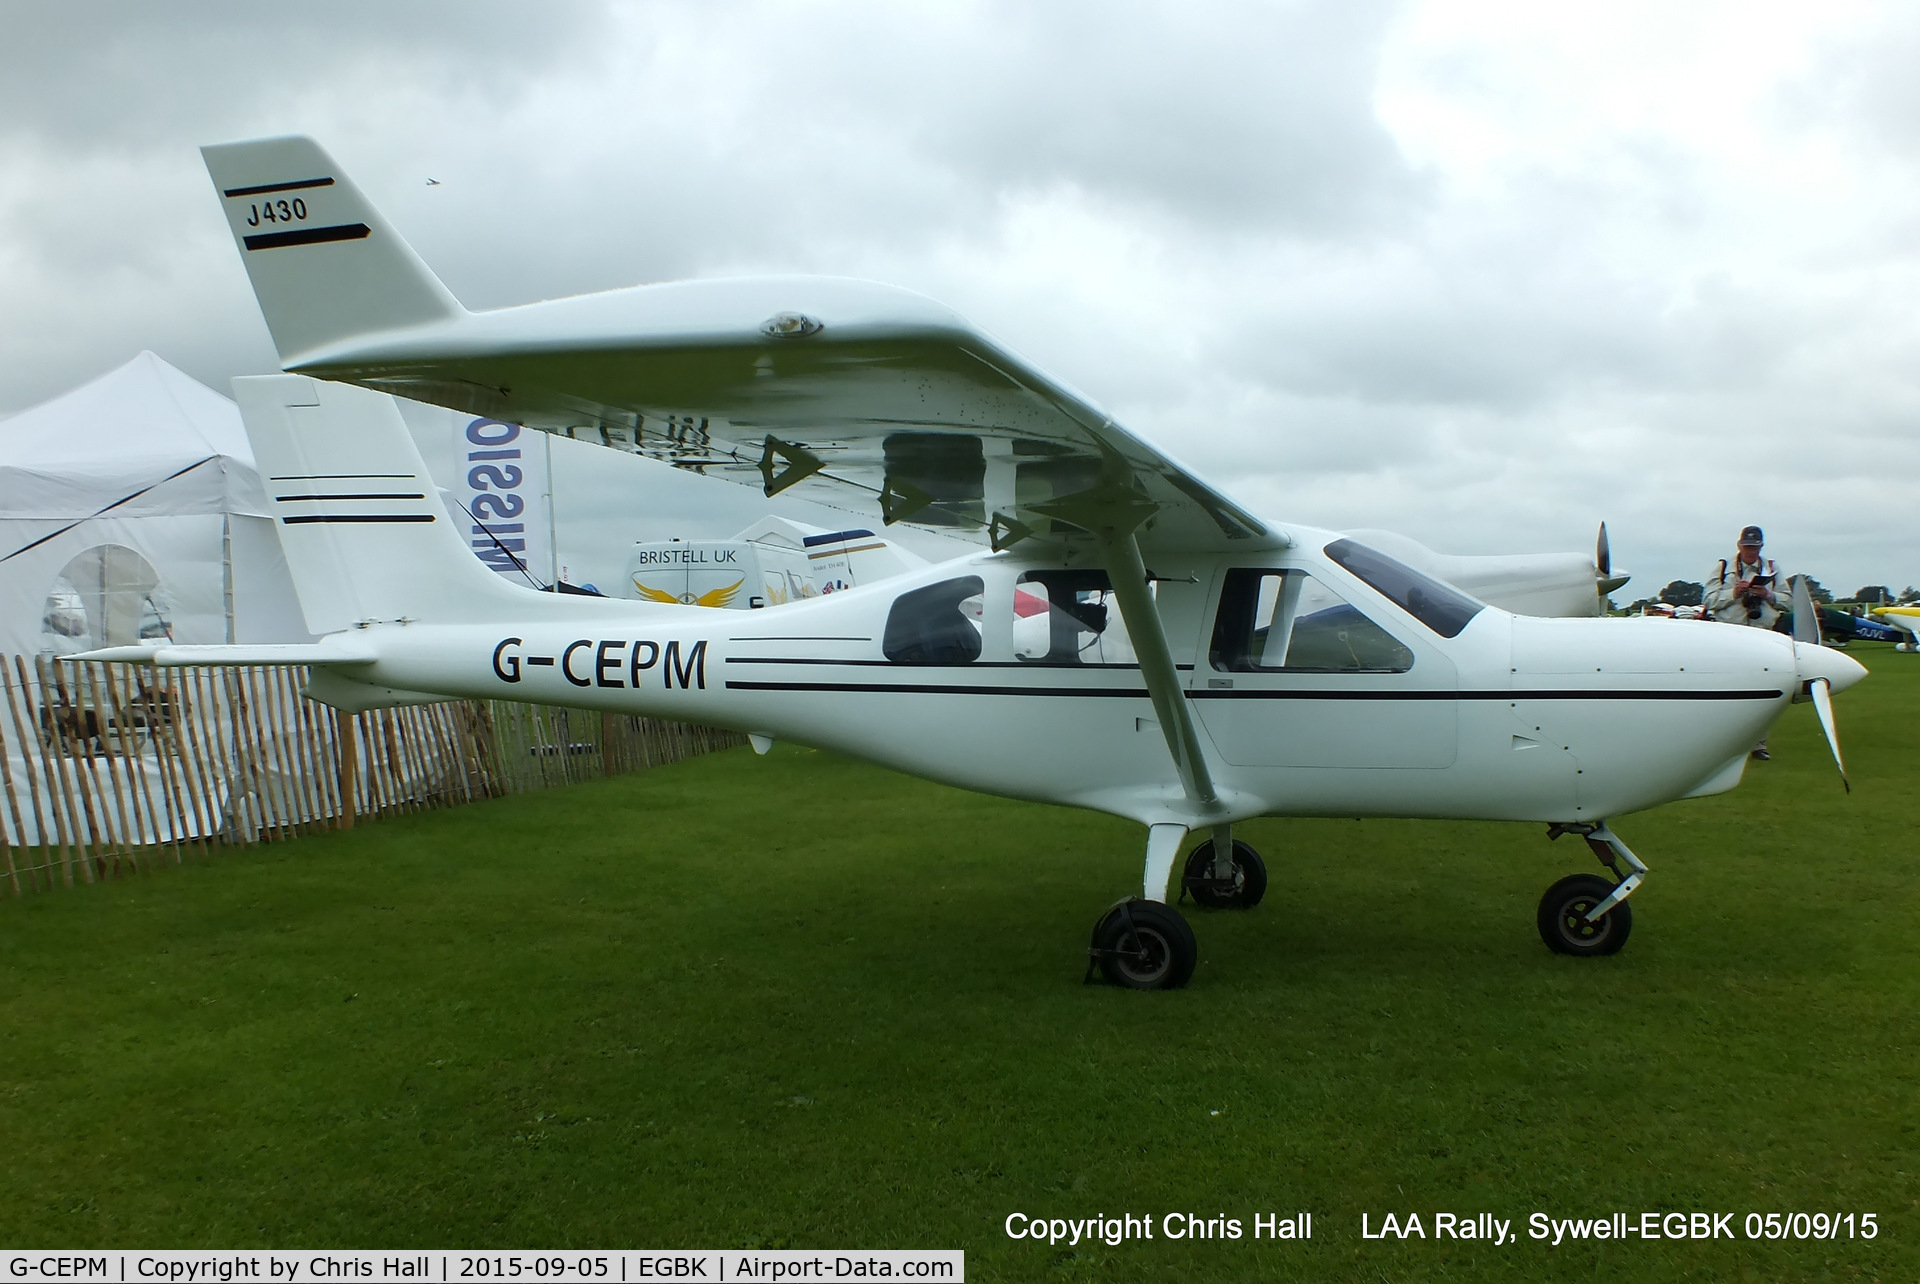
107,769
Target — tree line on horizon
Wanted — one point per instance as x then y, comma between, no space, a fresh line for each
1694,593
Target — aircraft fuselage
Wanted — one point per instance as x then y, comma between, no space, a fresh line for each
1514,717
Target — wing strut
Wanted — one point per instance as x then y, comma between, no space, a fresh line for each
1129,575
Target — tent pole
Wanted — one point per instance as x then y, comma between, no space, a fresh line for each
226,570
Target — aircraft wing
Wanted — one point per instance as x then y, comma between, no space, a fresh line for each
853,394
863,396
1906,619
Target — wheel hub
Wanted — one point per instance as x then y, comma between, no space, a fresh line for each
1575,923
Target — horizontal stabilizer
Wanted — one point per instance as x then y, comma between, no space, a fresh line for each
325,683
166,655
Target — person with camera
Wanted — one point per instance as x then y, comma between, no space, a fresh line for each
1747,590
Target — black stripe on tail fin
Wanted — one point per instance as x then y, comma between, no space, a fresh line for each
325,267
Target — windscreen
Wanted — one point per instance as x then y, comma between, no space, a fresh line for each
1288,621
1439,606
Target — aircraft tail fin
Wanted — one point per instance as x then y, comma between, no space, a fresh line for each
365,535
325,266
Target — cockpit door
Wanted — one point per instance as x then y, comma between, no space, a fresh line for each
1300,673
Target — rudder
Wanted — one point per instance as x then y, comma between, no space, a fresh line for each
365,535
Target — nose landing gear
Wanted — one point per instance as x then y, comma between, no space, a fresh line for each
1583,914
1564,924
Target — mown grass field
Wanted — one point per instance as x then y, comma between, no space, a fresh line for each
798,1001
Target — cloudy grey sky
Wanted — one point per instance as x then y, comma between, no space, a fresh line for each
1484,273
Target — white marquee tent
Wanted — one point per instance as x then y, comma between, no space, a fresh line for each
130,508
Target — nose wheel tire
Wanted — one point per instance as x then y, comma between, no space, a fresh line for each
1144,945
1563,918
1244,888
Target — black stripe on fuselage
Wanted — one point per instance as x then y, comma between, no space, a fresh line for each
976,665
356,517
1136,693
299,185
1511,696
301,499
934,688
308,236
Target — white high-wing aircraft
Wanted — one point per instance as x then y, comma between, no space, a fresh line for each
1251,668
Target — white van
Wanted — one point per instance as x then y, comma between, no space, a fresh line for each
771,562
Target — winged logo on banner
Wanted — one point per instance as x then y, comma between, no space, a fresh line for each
720,596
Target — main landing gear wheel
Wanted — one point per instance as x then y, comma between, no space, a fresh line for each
1244,888
1563,917
1143,945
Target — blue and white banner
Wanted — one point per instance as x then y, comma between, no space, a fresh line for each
504,489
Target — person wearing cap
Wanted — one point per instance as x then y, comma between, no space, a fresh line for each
1747,589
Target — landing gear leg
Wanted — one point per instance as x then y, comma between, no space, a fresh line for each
1144,944
1217,880
1163,844
1222,855
1582,915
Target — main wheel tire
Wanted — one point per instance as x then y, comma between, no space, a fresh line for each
1246,888
1144,945
1563,918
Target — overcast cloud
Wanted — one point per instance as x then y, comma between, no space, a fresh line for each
1484,273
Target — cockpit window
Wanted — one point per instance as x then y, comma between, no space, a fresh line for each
936,624
1273,621
1439,606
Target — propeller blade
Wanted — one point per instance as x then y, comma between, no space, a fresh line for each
1822,692
1806,621
1605,578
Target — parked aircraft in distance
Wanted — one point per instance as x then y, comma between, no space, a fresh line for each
1904,619
1199,666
